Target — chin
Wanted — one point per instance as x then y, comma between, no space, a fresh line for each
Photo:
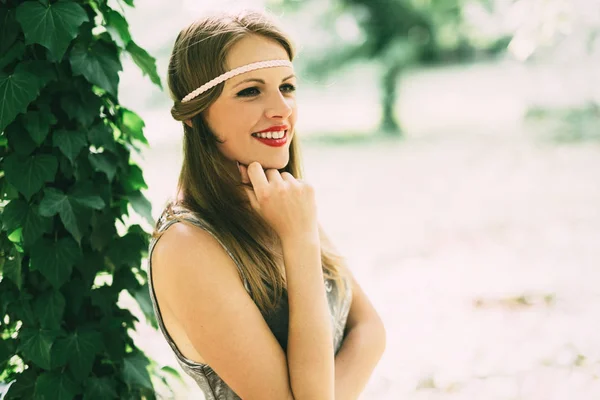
279,163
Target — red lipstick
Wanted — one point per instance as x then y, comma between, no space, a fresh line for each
275,128
274,142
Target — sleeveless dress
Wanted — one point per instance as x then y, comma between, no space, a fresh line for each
213,387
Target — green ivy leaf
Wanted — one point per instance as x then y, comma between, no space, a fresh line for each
19,89
6,351
74,290
100,389
66,168
55,260
53,26
38,124
49,308
9,29
94,264
145,61
70,206
117,27
8,191
16,236
135,179
124,278
44,70
55,386
14,213
104,162
101,135
36,345
12,269
103,230
105,297
84,193
24,385
28,174
173,372
19,141
142,296
135,370
126,250
131,124
80,348
56,202
83,106
15,52
141,205
25,310
99,64
18,213
70,143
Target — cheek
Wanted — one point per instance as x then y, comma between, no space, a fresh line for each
232,121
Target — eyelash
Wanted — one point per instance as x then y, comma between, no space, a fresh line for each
244,93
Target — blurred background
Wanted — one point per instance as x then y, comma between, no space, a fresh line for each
455,150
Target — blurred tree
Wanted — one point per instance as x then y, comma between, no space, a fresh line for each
396,34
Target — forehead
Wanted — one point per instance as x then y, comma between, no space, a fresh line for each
254,48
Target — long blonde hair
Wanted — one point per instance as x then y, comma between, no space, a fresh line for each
210,190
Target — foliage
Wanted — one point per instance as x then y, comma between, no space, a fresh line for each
66,186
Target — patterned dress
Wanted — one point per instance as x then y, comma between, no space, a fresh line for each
213,387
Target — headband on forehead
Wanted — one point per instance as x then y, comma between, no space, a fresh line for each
236,71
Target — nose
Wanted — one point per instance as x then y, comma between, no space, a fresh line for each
278,106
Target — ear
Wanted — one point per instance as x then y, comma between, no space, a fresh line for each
188,122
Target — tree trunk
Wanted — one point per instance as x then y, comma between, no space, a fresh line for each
389,126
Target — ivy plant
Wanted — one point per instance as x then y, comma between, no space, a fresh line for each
67,182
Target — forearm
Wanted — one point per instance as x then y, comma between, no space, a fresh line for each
361,350
310,346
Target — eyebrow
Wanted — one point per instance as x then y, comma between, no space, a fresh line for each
260,80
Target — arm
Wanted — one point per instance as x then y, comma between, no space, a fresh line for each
363,346
198,283
310,348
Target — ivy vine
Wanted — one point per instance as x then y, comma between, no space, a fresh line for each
67,181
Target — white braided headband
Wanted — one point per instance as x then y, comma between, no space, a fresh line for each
236,71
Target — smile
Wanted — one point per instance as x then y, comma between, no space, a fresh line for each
274,139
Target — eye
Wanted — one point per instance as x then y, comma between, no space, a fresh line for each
253,91
248,92
289,87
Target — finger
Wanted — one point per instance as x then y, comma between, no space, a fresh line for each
286,176
273,176
257,176
252,198
243,173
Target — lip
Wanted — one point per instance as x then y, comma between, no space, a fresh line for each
274,142
275,128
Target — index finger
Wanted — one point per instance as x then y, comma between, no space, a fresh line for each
257,176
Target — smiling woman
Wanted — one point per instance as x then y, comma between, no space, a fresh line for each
247,289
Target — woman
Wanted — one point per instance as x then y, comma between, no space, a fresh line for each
247,289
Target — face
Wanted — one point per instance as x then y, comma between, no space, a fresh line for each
252,102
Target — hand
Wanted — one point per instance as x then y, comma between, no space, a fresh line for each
284,202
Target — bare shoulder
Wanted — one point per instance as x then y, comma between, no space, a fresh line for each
200,284
187,251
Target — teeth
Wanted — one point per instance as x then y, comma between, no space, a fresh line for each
270,135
